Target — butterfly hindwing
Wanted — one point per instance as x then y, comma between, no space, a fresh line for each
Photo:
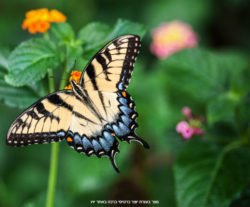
111,68
45,121
97,136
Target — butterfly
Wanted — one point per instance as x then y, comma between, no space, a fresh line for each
94,113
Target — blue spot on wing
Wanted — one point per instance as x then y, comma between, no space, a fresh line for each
52,135
61,134
105,144
123,78
120,86
127,121
108,127
121,129
77,139
109,137
96,146
86,143
123,101
126,110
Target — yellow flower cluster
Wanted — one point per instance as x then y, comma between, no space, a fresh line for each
75,75
39,20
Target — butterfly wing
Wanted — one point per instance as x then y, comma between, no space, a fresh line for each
111,68
45,121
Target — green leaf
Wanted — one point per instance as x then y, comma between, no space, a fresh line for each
96,35
63,32
209,176
16,97
244,112
93,33
30,61
237,64
80,63
20,97
123,27
73,53
222,108
200,73
4,55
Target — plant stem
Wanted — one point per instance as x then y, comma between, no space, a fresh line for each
51,81
55,146
64,75
53,156
52,174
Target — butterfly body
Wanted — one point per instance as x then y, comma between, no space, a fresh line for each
92,115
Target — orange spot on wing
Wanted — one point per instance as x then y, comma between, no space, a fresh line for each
124,94
112,134
69,139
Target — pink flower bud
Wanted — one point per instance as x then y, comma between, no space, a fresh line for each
186,111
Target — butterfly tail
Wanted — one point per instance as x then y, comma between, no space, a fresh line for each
112,159
141,141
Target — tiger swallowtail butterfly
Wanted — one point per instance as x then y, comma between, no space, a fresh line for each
94,113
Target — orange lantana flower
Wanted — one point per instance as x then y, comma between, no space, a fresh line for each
75,75
39,20
56,16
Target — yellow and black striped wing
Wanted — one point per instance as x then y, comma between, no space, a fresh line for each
111,68
45,121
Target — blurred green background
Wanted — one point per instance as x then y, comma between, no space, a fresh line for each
159,93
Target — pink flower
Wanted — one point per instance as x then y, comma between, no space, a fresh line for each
187,111
187,133
192,125
182,126
184,129
171,37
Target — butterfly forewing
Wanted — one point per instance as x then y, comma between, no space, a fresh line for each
47,120
111,68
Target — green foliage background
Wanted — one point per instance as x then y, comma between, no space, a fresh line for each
212,79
